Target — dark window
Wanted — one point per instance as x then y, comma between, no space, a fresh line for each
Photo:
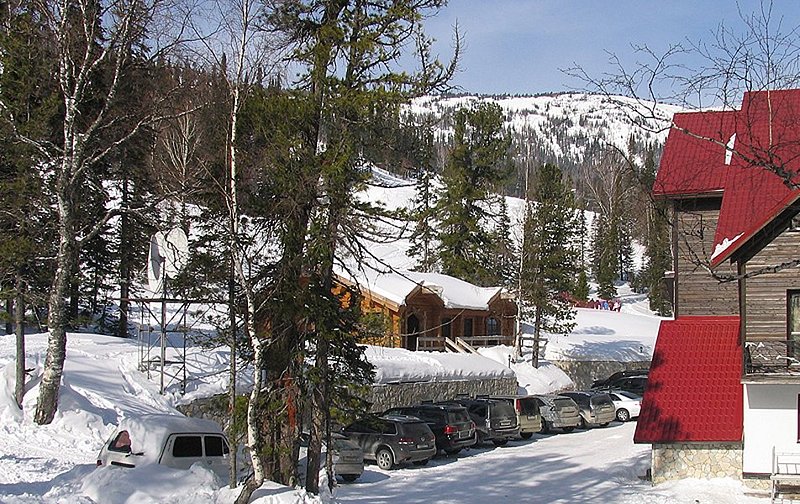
388,428
446,327
187,446
467,327
121,443
215,446
492,326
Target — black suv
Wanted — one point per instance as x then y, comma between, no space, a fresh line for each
450,423
393,439
618,376
495,419
632,384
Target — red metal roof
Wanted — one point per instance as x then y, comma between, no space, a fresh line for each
695,162
694,154
693,391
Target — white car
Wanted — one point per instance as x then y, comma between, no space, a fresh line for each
628,405
170,440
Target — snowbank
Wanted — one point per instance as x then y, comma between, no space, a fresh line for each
545,379
397,365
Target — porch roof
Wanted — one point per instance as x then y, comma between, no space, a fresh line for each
694,393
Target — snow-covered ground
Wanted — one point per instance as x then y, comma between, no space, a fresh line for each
102,383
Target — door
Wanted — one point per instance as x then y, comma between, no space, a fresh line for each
412,332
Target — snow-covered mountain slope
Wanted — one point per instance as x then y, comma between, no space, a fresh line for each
567,128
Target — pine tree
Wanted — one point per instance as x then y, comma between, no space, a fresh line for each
504,259
478,164
657,252
550,257
605,256
423,214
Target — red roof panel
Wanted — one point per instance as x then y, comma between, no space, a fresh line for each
693,391
693,161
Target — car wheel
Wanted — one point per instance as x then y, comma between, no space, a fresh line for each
500,442
604,424
525,435
623,415
480,439
545,427
384,459
584,425
568,429
453,452
421,462
349,477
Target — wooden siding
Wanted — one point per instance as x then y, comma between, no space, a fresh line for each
696,291
765,295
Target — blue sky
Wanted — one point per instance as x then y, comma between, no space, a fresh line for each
518,46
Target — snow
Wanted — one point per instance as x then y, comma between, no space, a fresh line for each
397,365
722,246
102,386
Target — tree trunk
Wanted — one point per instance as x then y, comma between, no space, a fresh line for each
9,322
19,322
47,403
232,431
537,330
124,260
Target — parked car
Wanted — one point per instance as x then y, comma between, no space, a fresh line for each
558,412
596,408
495,420
170,440
627,405
528,416
348,457
633,384
614,377
450,423
393,439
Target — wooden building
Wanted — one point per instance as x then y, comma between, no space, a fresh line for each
426,311
725,378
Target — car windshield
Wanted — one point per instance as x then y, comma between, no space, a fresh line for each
503,409
528,406
415,429
564,402
601,399
459,416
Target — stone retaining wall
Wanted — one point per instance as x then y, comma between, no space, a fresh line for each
696,460
583,373
392,395
383,397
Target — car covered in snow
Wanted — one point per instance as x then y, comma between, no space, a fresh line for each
169,440
628,405
558,412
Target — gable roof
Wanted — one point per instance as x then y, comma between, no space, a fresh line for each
397,286
698,163
693,390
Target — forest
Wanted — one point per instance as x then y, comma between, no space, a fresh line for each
251,125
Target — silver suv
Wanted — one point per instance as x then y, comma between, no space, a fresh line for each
528,416
393,439
597,408
558,412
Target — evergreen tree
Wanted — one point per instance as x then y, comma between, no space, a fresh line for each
550,257
657,246
479,163
504,259
423,214
605,256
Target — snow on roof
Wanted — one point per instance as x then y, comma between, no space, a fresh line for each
398,365
148,432
396,286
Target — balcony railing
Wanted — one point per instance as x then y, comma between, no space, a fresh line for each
772,358
438,342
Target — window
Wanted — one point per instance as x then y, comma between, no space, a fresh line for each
492,326
121,443
467,327
793,320
215,446
446,333
187,446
